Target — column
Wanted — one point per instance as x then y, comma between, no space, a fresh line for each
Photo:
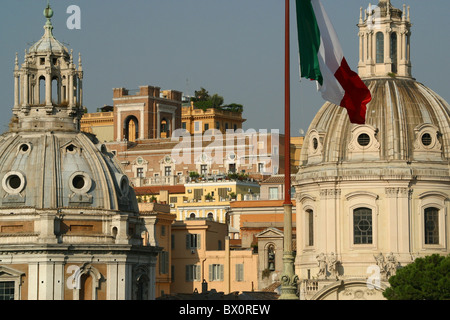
16,90
70,90
25,89
48,89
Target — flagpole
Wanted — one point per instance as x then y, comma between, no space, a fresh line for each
288,279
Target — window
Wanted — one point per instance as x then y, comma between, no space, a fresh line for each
394,52
362,226
196,126
226,126
206,126
210,216
260,167
183,125
380,47
164,262
239,272
232,167
198,193
7,290
203,169
193,241
192,272
168,171
218,125
172,241
140,172
273,193
431,226
363,139
216,272
310,216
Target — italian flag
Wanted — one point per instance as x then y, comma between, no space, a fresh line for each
322,59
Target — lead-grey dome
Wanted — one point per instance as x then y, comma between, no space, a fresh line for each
405,121
46,170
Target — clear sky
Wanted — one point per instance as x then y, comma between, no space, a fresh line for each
231,47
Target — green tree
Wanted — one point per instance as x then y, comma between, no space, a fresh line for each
202,95
216,100
426,278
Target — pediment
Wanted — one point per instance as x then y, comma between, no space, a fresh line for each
270,233
6,272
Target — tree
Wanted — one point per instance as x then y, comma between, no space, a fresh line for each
426,278
202,95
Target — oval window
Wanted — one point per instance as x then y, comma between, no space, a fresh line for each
426,139
363,139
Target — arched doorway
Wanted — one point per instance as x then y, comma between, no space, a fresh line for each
165,128
131,128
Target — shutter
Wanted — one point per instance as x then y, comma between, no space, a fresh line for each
221,272
211,273
188,246
166,263
197,273
199,241
187,273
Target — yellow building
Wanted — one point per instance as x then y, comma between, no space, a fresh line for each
211,199
99,123
159,216
197,121
202,259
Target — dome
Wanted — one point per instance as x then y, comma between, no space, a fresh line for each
46,170
48,43
405,121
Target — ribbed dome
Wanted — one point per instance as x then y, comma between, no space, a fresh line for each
47,170
405,121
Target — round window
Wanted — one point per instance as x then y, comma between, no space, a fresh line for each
363,139
78,182
24,148
13,182
427,139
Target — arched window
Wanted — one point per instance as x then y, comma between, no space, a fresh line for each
394,51
192,216
380,47
362,226
431,224
42,90
131,128
310,223
271,257
210,216
55,91
86,287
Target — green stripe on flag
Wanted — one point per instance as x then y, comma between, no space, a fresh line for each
308,41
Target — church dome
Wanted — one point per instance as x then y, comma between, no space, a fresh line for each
50,170
405,121
46,162
48,43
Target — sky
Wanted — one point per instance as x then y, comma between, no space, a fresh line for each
234,48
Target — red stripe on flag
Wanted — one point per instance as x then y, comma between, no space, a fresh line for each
357,95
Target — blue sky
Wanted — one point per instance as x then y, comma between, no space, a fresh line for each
231,47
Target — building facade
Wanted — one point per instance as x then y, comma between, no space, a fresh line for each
371,198
70,227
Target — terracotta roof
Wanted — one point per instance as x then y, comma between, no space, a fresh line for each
156,189
258,203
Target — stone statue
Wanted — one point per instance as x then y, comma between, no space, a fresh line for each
322,262
391,265
332,265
